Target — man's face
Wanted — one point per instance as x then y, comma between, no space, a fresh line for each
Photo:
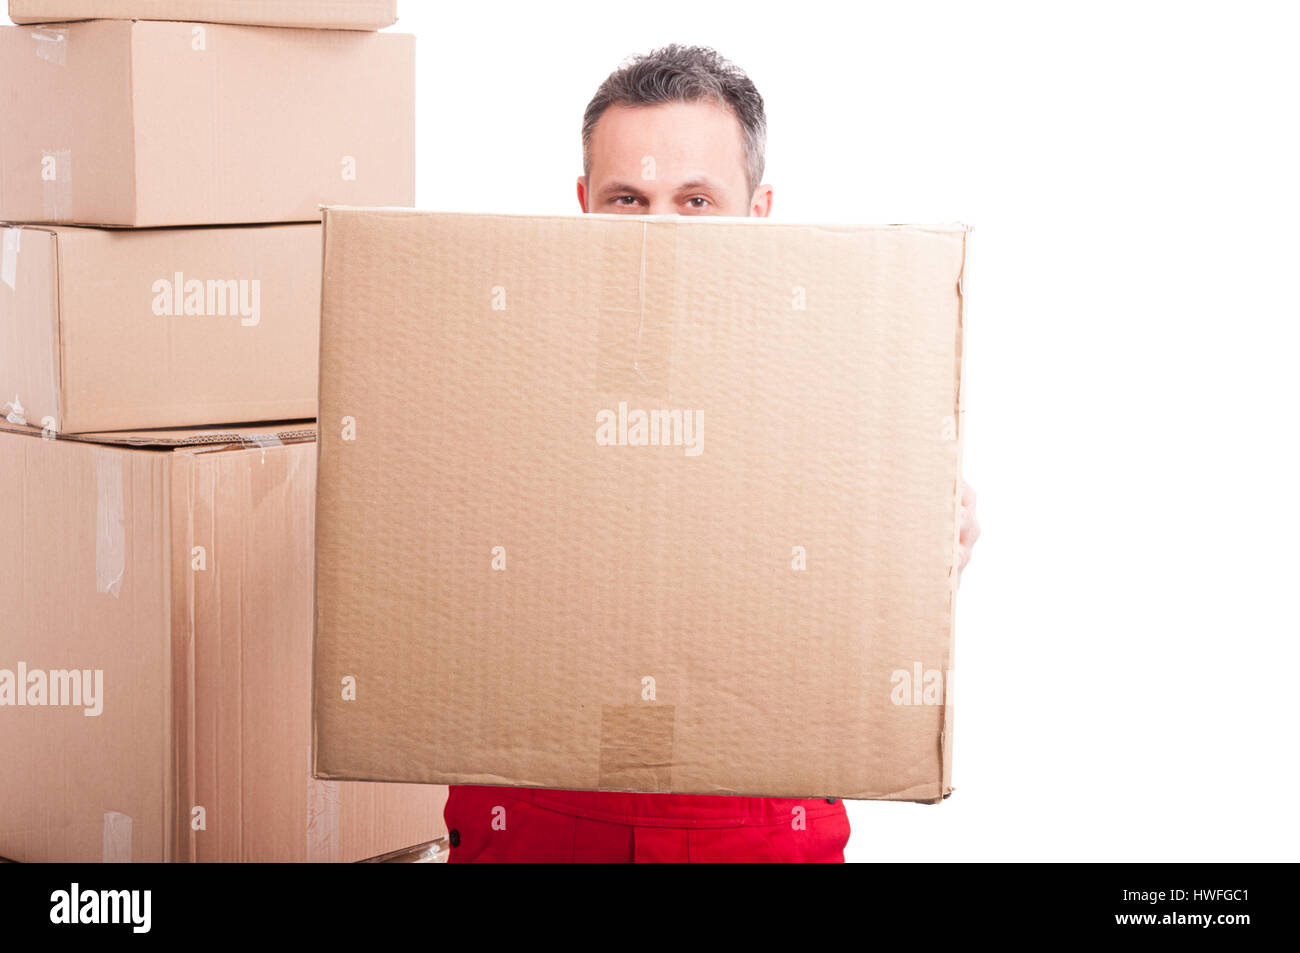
672,159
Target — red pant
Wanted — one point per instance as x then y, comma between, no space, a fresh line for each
504,824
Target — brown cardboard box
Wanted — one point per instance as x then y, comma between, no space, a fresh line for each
119,122
638,504
339,14
182,573
109,329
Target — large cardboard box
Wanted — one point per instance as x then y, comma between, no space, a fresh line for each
638,504
155,637
340,14
112,329
120,122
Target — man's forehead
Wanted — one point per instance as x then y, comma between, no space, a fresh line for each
697,140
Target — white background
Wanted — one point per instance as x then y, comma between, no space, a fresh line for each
1127,634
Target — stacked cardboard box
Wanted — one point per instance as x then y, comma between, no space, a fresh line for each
160,185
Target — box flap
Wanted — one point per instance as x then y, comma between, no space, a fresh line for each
29,326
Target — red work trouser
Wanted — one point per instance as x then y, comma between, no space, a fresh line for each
504,824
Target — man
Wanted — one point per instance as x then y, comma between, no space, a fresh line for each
696,122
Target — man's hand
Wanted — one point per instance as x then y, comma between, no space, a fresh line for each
970,528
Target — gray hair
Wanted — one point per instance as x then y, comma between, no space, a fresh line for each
683,74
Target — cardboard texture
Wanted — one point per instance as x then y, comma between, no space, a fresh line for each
119,122
184,577
107,329
322,14
638,504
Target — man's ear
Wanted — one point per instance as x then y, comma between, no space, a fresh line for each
582,192
760,204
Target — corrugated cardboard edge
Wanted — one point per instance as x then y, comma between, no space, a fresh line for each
59,377
950,228
430,852
196,438
183,845
130,133
313,768
25,12
946,736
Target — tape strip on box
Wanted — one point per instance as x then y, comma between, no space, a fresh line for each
322,818
13,242
117,838
110,522
636,747
634,348
51,44
13,411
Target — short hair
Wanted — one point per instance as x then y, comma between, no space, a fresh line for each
683,74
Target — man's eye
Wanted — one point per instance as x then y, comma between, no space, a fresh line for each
625,200
702,202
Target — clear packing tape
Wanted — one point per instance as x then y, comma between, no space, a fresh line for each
117,838
110,522
51,44
13,243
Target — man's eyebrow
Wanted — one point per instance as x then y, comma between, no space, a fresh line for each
707,185
620,188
